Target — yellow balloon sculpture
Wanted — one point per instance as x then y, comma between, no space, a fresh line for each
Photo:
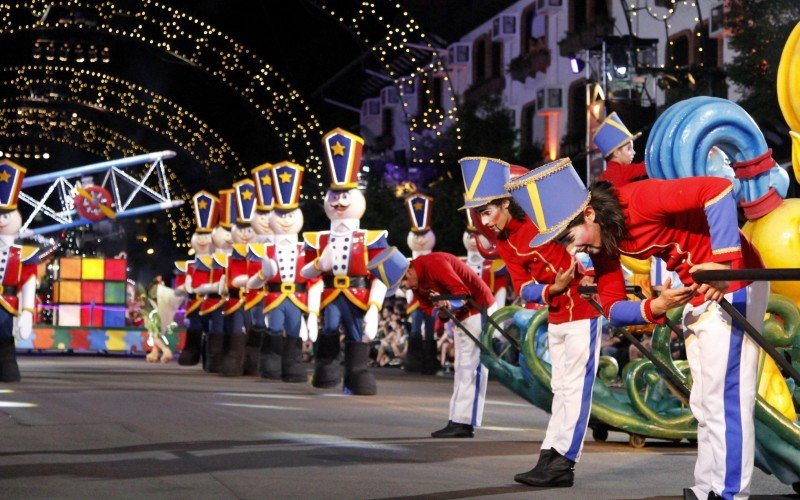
789,92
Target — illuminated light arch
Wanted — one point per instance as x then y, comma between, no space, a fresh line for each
200,44
113,95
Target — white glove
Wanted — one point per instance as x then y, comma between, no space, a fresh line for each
371,322
239,281
23,325
325,262
312,327
303,329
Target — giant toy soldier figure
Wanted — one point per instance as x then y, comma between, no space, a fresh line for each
351,295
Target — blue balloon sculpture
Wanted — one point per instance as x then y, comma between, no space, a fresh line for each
686,139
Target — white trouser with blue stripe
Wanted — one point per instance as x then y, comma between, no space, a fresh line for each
724,365
471,377
574,353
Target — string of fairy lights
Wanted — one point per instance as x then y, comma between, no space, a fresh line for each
396,33
114,95
204,46
665,14
68,128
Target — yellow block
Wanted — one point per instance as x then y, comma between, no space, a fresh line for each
70,268
93,269
116,340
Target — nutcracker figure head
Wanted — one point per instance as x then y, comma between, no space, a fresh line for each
206,214
11,176
262,178
287,180
421,239
221,235
245,192
343,154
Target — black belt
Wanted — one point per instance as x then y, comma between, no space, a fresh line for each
286,287
212,296
8,290
345,282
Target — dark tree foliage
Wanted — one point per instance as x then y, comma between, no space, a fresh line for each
759,30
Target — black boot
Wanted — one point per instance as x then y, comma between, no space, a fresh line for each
251,350
454,430
430,359
413,361
557,472
269,365
292,367
233,363
326,362
214,345
9,371
688,494
357,377
190,355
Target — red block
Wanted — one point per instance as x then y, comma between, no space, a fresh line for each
80,339
91,316
92,291
116,269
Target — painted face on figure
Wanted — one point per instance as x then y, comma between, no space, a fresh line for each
420,242
290,222
495,217
10,222
585,237
348,204
201,243
469,242
624,154
260,222
221,238
242,234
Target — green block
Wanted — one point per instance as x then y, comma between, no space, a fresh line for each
115,292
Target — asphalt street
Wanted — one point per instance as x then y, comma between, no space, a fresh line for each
114,427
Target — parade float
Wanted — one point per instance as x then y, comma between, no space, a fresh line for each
698,136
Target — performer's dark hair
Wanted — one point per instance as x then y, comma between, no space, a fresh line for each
514,209
608,214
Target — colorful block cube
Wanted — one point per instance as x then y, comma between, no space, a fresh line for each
92,269
69,268
91,315
114,316
67,292
92,291
68,315
116,269
114,292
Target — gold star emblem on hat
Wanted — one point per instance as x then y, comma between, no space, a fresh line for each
418,205
4,176
247,194
285,177
202,204
338,149
266,180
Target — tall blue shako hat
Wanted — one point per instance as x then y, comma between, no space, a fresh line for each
551,195
206,211
343,155
262,178
227,208
11,176
390,267
484,180
420,209
287,180
611,134
245,201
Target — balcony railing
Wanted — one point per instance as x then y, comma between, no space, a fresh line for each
586,36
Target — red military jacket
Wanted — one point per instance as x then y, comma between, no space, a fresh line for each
530,266
184,268
440,273
245,259
619,175
684,222
294,286
363,245
19,268
209,269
